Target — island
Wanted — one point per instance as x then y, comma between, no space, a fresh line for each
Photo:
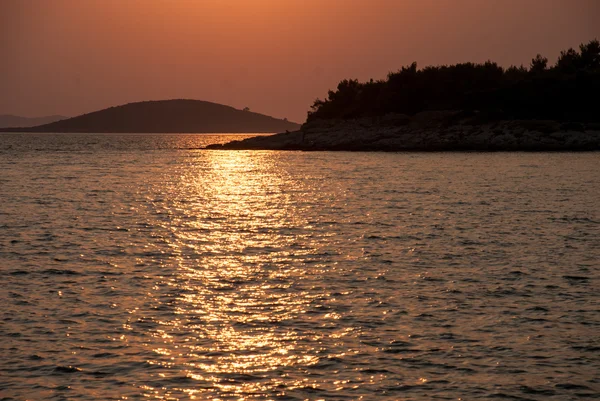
462,107
167,116
9,120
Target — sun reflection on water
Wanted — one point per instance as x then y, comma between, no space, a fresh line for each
235,236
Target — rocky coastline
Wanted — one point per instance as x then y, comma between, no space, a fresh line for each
429,131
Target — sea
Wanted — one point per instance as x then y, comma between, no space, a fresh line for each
143,267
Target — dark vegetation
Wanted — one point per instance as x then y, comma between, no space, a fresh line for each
176,116
567,91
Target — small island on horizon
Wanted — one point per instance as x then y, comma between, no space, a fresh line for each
467,106
166,116
11,120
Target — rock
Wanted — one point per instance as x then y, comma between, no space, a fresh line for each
425,131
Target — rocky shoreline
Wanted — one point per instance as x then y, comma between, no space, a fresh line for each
429,131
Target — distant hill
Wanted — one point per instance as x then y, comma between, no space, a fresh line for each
9,120
174,116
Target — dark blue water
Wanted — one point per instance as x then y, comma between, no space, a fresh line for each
139,267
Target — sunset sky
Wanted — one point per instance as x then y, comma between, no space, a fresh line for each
275,56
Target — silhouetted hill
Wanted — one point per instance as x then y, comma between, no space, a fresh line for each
9,120
176,116
464,107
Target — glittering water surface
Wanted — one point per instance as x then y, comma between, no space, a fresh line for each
135,266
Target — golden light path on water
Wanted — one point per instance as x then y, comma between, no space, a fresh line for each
238,237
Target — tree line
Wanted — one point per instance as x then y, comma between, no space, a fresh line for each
567,90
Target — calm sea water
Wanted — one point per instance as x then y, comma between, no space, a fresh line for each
139,267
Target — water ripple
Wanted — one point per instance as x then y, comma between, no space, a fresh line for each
136,267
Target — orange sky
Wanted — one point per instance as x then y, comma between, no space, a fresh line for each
275,56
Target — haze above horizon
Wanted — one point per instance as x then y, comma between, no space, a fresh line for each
70,57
